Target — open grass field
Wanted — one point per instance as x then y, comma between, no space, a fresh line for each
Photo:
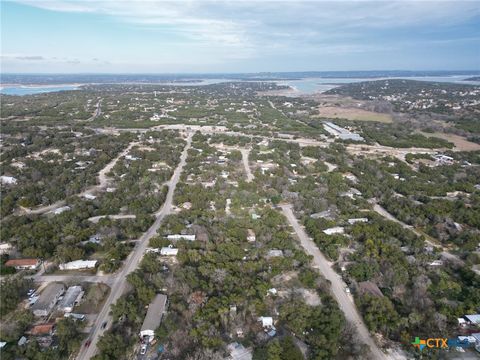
460,142
353,114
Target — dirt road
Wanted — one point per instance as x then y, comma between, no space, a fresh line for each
445,253
345,302
102,183
96,219
131,263
248,172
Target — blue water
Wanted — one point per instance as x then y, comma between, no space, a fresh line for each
31,90
312,85
303,86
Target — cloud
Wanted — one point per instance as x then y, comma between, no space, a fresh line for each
250,25
35,57
202,32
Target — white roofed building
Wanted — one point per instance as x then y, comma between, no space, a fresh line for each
176,237
72,297
78,265
168,251
334,230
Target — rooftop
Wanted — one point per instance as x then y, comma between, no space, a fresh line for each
154,313
22,262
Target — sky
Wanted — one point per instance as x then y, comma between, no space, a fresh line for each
119,36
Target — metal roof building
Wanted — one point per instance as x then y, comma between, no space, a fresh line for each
155,312
48,298
71,298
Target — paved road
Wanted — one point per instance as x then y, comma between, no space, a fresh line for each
344,301
98,111
131,263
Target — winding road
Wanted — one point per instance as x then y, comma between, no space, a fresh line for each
119,283
345,302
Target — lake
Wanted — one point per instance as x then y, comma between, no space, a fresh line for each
302,86
31,90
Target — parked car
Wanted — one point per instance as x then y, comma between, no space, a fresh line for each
143,349
87,344
104,325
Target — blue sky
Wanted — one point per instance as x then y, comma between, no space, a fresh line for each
238,36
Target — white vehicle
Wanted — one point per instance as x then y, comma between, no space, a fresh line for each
347,290
143,349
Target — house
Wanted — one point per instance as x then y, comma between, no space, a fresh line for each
473,319
48,298
181,237
168,251
8,180
74,316
72,297
95,239
42,329
89,196
251,235
61,210
443,159
370,288
267,321
255,216
327,214
23,264
78,265
154,316
5,248
275,253
239,352
356,220
436,263
131,157
334,230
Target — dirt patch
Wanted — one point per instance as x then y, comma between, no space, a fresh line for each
460,142
94,298
311,297
353,114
